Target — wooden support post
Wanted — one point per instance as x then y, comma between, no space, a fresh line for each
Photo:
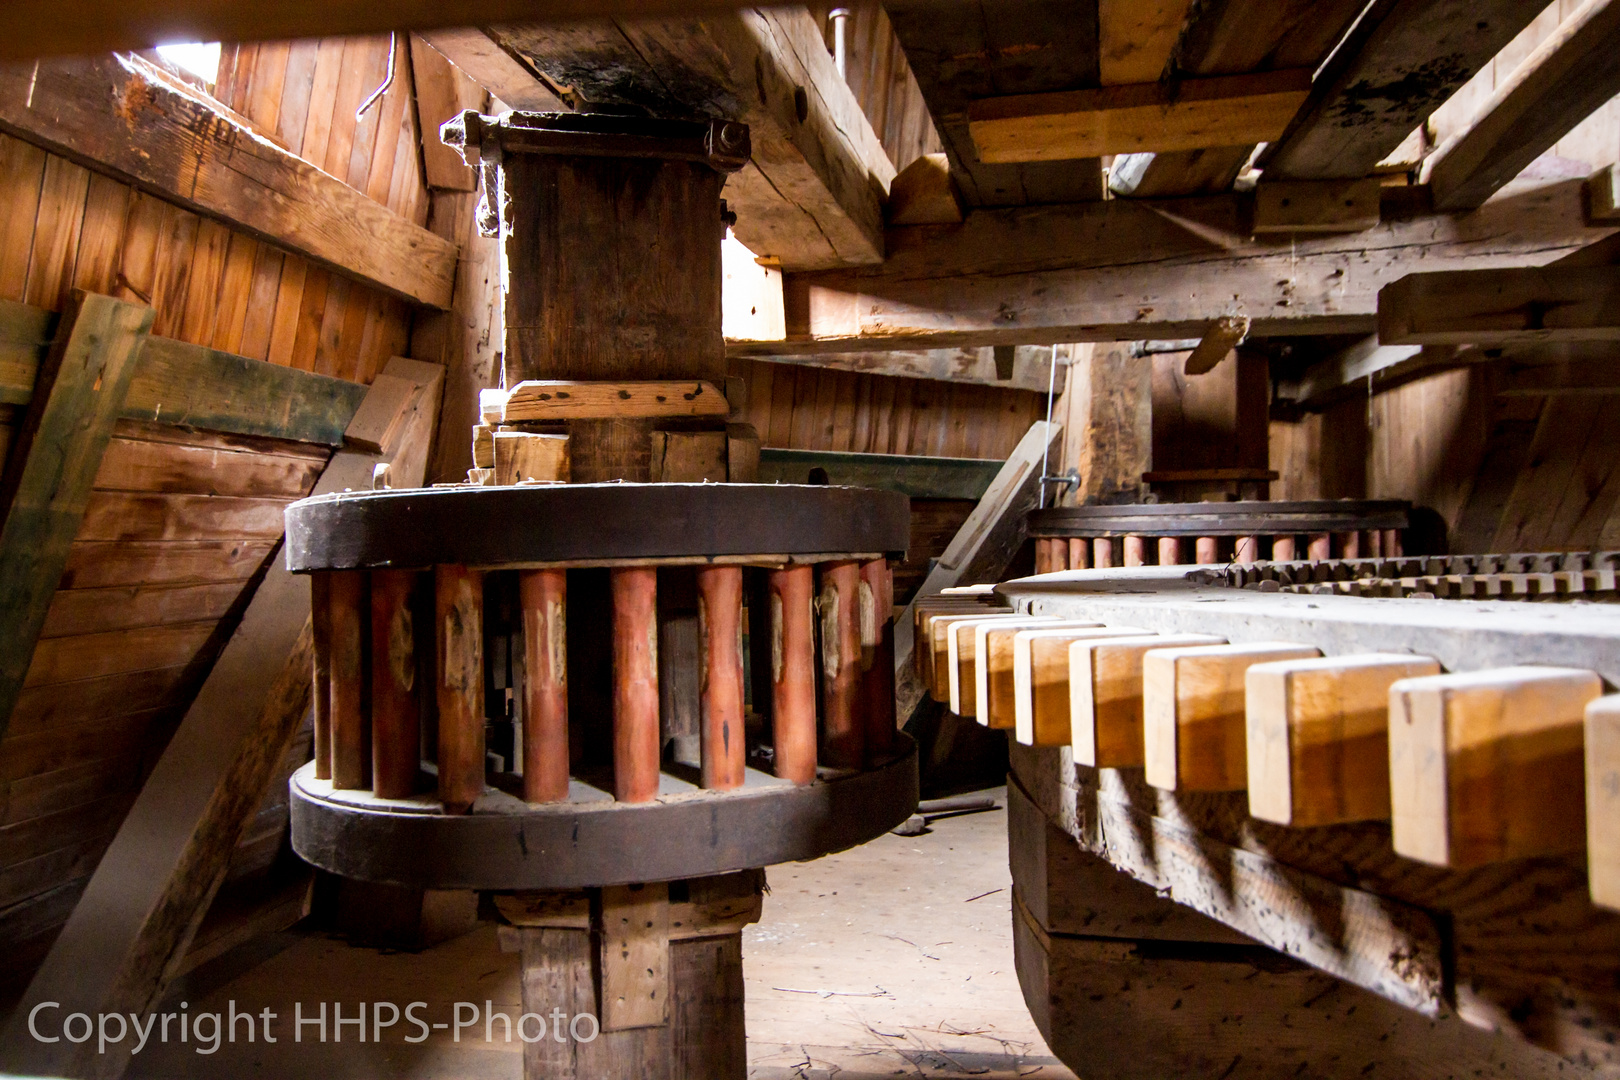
1135,551
320,616
1194,729
793,673
543,595
45,486
1041,678
1206,550
1077,554
1170,551
351,745
991,657
844,735
724,748
634,956
1105,706
1488,765
1318,736
396,723
877,656
635,684
1321,547
458,601
1282,549
1102,552
1603,800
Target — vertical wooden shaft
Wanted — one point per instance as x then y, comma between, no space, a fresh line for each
724,750
1170,551
1350,545
1103,553
1374,543
1135,551
1392,544
1206,550
350,751
1248,549
844,738
1043,555
1282,549
877,654
458,615
543,595
635,684
1321,546
396,725
1077,554
320,615
793,673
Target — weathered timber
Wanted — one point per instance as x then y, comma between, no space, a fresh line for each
1316,206
1151,116
155,883
558,399
1031,364
961,52
1400,61
812,196
1123,270
1220,339
923,193
1501,307
918,477
1572,73
45,487
110,116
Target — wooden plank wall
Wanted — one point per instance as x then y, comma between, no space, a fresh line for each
798,407
180,520
1503,473
807,408
878,73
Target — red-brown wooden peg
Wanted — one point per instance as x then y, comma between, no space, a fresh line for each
458,609
543,595
793,673
877,654
724,751
396,725
351,751
320,616
635,684
843,744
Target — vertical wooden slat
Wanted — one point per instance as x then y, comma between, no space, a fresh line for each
176,248
321,106
459,634
235,292
331,355
311,308
46,484
138,260
635,684
106,211
297,86
267,86
724,750
793,686
283,332
22,167
201,311
544,599
56,232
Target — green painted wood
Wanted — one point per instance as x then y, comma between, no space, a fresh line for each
80,391
193,386
919,477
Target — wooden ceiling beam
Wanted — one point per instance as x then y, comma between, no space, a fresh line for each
964,50
813,195
1398,63
42,28
111,116
1031,364
1124,270
1568,77
1501,306
1226,110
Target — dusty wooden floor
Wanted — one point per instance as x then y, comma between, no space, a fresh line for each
894,959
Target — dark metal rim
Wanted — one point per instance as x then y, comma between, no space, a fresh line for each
591,524
1221,519
581,845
